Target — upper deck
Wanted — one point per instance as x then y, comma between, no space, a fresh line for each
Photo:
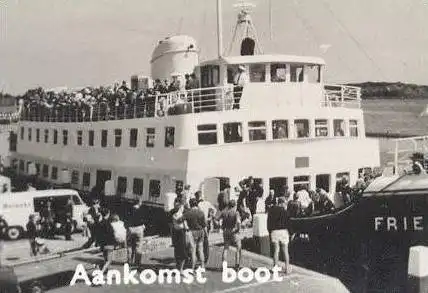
271,81
175,103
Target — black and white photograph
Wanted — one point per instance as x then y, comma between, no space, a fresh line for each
214,146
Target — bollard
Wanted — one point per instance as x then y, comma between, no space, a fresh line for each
417,281
261,235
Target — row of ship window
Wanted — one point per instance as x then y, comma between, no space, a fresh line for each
42,170
207,133
133,137
257,130
276,183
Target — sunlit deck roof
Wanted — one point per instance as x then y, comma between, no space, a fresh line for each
266,59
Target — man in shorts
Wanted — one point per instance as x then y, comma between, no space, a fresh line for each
231,227
196,223
277,227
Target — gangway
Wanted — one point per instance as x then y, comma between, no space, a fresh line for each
404,151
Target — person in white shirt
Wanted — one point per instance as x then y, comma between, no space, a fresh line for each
207,208
239,81
305,200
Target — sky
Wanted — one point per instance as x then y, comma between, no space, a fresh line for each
73,43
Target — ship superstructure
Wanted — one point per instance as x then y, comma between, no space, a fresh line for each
284,127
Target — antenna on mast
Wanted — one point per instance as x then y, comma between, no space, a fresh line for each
245,21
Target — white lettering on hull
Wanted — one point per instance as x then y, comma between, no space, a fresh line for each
401,224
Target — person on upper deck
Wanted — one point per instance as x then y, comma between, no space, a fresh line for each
240,79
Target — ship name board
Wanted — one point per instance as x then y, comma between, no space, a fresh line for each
401,224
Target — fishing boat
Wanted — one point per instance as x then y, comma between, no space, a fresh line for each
284,127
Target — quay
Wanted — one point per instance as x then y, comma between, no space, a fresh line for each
54,272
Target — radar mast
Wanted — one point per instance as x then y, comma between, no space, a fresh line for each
245,25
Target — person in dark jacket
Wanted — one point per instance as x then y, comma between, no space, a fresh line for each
136,230
270,201
178,232
278,228
195,221
107,240
32,233
68,221
3,228
294,207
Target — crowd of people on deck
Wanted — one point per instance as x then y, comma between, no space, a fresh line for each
106,103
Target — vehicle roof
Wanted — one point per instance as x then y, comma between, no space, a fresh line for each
42,193
273,58
408,183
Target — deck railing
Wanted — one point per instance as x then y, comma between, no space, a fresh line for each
342,96
211,99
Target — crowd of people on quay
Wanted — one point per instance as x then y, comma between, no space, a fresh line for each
192,220
108,103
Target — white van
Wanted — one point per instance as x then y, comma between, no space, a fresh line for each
16,207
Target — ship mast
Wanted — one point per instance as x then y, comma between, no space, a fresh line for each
219,29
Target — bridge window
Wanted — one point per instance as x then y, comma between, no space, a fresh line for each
117,137
296,73
207,134
22,133
138,186
279,129
46,135
104,138
314,73
321,127
278,72
29,134
301,182
133,137
232,132
150,137
37,135
169,136
54,173
210,76
79,137
45,171
353,128
302,128
257,130
75,177
339,127
86,180
64,137
257,72
121,185
55,136
154,188
91,138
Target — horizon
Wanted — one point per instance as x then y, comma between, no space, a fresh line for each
56,43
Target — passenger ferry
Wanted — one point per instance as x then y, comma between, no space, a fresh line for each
285,126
